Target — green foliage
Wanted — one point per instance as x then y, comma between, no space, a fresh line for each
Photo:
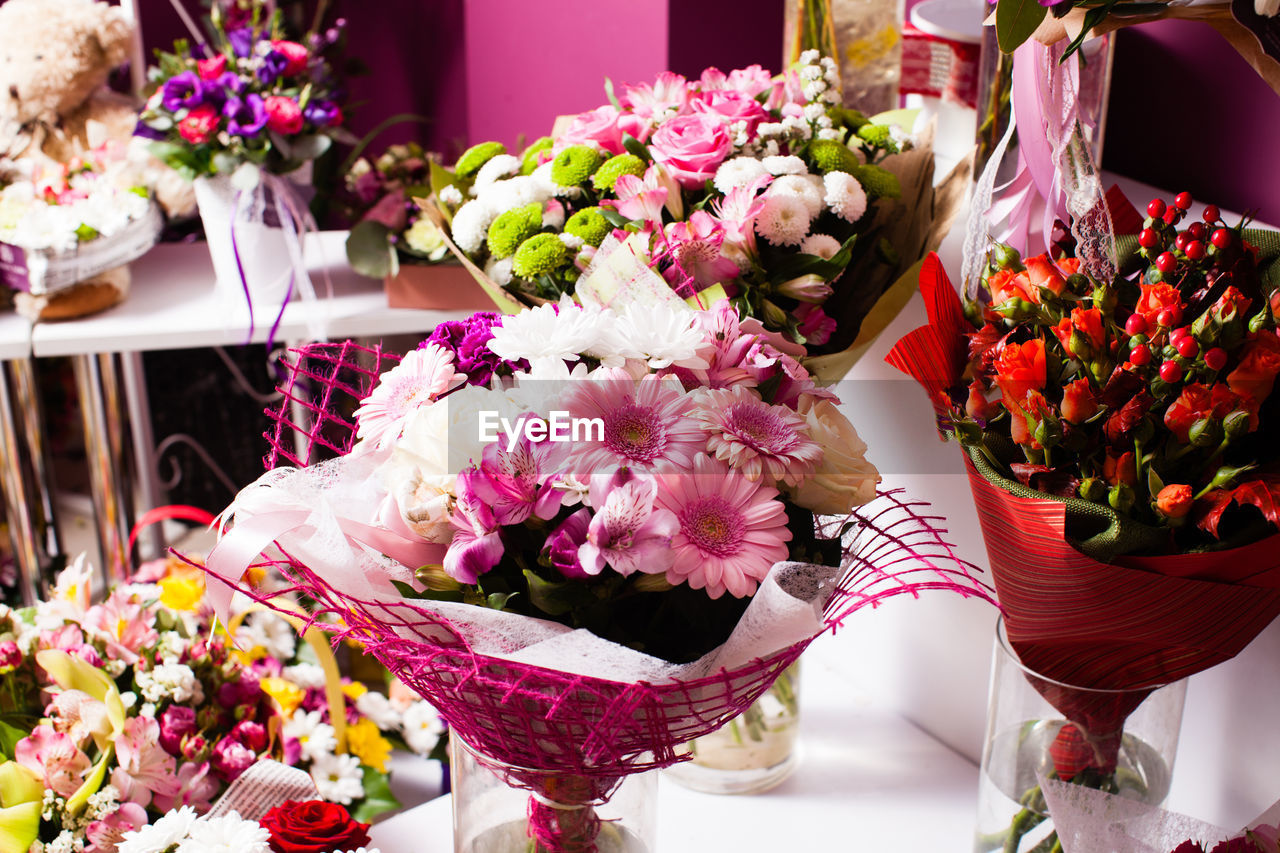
369,250
1016,20
378,798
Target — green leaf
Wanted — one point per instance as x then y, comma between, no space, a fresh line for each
800,264
369,250
614,218
378,798
85,233
636,147
11,734
613,98
429,594
498,600
1154,483
555,598
1016,20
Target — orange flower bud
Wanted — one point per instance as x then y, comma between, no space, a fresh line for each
1042,273
1174,501
977,406
1078,402
1120,469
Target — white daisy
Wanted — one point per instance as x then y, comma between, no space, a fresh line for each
822,245
305,675
784,165
738,172
378,708
470,227
807,188
338,778
784,220
268,632
422,727
845,196
228,833
665,334
499,167
167,831
316,739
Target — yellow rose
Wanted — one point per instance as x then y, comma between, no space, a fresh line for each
844,478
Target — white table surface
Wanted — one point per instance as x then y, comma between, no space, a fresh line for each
174,304
868,780
15,336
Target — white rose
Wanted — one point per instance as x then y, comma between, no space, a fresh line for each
844,478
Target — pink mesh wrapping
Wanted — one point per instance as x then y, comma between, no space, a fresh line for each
535,717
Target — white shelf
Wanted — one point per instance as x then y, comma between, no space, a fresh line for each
15,336
174,304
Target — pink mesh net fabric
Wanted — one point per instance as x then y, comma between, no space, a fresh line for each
550,720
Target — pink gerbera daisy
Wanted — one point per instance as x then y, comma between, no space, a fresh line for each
732,529
756,438
647,425
420,378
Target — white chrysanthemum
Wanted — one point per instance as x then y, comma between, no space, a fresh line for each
738,172
845,196
228,833
664,334
167,831
499,270
784,220
173,681
315,739
514,192
788,164
551,333
573,241
471,223
308,676
542,177
830,133
338,778
451,195
807,188
422,728
822,245
499,167
268,632
378,708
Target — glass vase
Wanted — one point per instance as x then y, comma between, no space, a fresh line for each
1131,754
501,808
752,752
864,37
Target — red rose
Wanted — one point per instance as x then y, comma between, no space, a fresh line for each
211,69
313,827
1154,299
1196,402
1020,368
1007,284
1088,323
294,53
1174,501
283,114
1042,273
1069,266
1255,374
1078,402
200,125
1120,469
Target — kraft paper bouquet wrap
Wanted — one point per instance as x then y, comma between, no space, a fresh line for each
1117,427
581,607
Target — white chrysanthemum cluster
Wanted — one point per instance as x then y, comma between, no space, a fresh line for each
738,172
173,681
845,196
268,632
471,222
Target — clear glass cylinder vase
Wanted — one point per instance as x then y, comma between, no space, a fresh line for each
1131,754
501,808
864,37
752,752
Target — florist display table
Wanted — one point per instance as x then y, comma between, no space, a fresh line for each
174,304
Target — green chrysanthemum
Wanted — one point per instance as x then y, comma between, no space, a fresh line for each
878,182
529,157
875,134
589,225
541,254
827,155
616,167
512,228
574,165
476,156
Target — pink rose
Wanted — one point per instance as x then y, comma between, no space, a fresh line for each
251,734
10,656
200,125
231,758
295,53
211,69
283,114
176,722
605,127
730,106
691,147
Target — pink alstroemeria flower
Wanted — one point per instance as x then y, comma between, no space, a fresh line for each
750,81
640,198
476,546
563,547
737,213
694,247
196,788
627,532
126,624
104,835
145,768
53,756
515,484
80,716
668,94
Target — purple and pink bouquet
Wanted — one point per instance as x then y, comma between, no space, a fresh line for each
247,95
118,712
587,533
757,188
